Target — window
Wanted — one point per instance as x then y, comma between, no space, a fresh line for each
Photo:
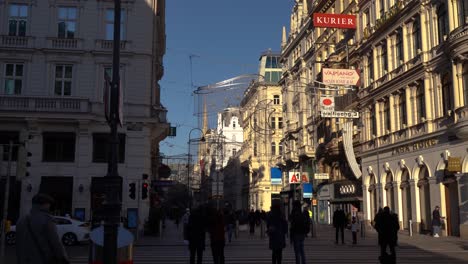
18,20
272,62
109,23
255,123
280,148
13,78
384,58
273,148
463,9
370,69
63,79
272,76
388,116
234,152
234,124
273,123
276,99
402,110
58,147
420,104
255,150
101,147
280,122
465,83
66,22
447,93
373,121
5,138
416,35
442,22
382,8
399,47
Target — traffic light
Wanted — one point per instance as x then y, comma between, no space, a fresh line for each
144,190
132,190
22,162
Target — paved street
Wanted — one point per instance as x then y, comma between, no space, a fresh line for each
170,249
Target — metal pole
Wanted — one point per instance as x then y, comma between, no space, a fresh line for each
6,197
113,193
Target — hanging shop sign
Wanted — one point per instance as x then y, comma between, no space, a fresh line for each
454,164
327,102
334,20
341,76
298,177
339,114
275,174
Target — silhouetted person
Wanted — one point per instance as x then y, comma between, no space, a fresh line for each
252,222
377,218
217,237
37,240
387,226
277,228
339,222
436,222
230,221
300,225
196,235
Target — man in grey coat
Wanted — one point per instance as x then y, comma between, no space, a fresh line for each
37,240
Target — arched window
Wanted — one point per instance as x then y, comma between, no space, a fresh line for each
442,22
416,35
447,92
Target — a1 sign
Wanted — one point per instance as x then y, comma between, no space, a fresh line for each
297,177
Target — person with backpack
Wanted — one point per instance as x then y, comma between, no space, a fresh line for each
300,226
277,229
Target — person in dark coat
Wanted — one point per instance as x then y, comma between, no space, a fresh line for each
377,218
196,235
339,223
37,240
217,237
277,229
252,222
436,222
387,226
300,225
230,221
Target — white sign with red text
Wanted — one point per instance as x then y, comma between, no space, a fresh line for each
341,76
298,177
327,102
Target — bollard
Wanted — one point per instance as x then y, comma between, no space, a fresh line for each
410,228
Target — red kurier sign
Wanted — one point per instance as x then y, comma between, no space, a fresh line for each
334,20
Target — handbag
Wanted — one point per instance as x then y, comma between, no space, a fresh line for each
52,260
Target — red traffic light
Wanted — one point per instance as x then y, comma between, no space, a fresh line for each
145,185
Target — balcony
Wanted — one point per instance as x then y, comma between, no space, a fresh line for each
306,150
44,104
16,41
457,40
102,44
64,43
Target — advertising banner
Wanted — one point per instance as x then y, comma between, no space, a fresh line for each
334,20
275,176
341,76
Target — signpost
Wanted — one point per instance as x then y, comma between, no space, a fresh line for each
334,20
341,76
339,114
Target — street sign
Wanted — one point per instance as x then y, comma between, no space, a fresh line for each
321,176
339,114
341,76
327,102
334,20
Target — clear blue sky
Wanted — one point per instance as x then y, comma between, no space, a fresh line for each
225,38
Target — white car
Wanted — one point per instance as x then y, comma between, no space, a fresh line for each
71,231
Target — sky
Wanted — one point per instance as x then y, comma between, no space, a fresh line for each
210,41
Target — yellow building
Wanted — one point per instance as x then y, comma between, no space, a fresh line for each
262,122
413,103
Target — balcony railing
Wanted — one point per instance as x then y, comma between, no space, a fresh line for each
102,44
16,41
44,104
64,43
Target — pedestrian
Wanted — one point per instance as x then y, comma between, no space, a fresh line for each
308,212
185,221
377,218
230,223
387,226
339,222
354,229
300,226
196,235
252,222
436,222
217,237
277,229
37,240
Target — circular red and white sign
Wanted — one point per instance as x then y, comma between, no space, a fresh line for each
327,101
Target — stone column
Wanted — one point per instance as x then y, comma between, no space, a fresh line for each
399,202
415,212
366,205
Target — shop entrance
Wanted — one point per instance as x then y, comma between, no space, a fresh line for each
452,219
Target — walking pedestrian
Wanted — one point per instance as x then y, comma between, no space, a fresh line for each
37,240
196,235
436,222
387,226
277,229
230,223
377,218
354,229
339,222
300,226
252,222
217,237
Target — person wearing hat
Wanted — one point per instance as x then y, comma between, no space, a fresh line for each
37,240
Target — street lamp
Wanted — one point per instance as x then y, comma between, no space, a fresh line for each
202,139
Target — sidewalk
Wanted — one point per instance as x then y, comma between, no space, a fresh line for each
170,236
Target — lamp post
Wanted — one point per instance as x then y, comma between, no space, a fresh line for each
188,162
